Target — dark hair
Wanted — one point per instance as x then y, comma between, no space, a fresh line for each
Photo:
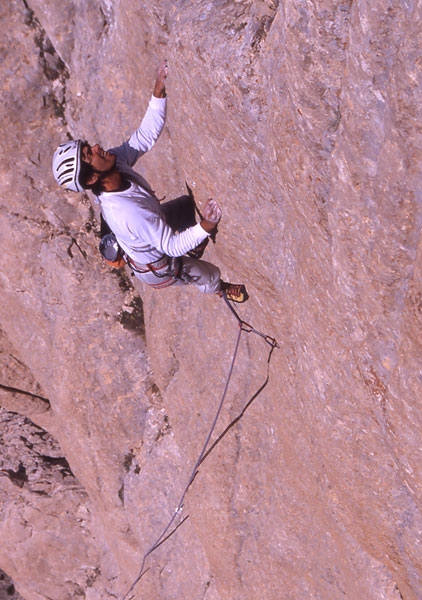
86,172
98,187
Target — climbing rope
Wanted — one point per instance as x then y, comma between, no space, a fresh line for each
168,532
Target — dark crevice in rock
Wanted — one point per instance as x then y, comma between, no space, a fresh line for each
41,223
54,232
399,592
51,65
20,391
74,242
164,429
206,588
57,461
31,458
132,318
7,588
264,26
14,390
127,462
106,16
18,477
125,283
121,494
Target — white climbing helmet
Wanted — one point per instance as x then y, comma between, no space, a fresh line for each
67,165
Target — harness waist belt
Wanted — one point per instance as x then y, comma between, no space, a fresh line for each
166,270
146,268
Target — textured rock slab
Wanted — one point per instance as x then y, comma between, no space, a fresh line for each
303,119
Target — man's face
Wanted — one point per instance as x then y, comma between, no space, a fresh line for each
99,159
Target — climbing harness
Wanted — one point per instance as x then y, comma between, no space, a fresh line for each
166,268
168,531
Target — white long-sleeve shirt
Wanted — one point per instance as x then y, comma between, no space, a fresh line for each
134,215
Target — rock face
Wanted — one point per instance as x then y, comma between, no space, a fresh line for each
303,118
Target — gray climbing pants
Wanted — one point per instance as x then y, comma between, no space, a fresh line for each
200,273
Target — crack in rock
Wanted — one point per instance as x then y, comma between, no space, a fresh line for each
51,65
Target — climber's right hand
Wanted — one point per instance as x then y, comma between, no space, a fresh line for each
212,212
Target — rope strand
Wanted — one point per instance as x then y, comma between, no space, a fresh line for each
165,535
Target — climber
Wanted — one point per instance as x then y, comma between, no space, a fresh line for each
161,243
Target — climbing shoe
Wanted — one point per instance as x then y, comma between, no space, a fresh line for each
234,292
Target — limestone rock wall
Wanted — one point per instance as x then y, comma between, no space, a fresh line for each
303,119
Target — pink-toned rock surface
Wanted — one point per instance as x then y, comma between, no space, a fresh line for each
303,119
